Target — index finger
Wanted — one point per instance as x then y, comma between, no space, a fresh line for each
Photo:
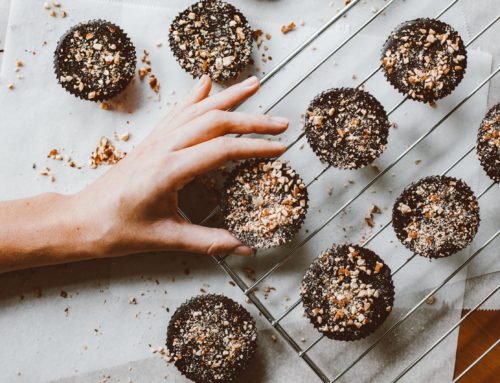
224,100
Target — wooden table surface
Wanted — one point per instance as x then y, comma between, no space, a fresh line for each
476,334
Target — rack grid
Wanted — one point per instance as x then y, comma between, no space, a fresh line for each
248,290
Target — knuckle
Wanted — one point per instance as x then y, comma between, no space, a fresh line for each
193,110
170,166
215,115
213,249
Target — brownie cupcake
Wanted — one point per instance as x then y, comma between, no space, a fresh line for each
488,143
436,216
346,128
95,60
424,59
211,37
347,292
264,203
211,338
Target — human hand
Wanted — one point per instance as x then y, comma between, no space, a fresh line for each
133,207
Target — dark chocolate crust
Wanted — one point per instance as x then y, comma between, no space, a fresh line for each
424,59
488,143
211,37
211,338
346,127
95,60
347,292
264,203
436,216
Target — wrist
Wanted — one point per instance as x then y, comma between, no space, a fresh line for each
87,226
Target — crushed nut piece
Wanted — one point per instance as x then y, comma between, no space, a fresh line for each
105,154
288,27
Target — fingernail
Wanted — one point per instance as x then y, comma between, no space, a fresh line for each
250,82
243,250
280,120
279,145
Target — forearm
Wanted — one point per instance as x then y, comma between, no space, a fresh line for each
43,230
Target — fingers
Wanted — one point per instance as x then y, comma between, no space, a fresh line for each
211,154
223,100
205,240
218,123
199,92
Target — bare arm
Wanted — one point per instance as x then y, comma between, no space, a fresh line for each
132,208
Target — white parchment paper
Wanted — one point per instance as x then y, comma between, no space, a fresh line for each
103,335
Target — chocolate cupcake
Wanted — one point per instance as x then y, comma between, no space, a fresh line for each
264,203
95,60
346,128
424,59
211,338
436,216
488,143
211,37
347,292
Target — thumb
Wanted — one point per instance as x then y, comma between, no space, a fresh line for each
206,240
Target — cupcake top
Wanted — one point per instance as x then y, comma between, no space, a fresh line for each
424,59
488,143
264,203
436,216
211,338
211,37
95,60
346,128
347,292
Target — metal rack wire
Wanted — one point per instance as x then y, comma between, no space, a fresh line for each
248,290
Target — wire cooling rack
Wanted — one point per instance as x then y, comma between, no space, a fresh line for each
249,290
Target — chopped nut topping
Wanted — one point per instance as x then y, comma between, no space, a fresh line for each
213,336
213,38
488,143
89,64
426,64
345,292
266,203
346,127
436,216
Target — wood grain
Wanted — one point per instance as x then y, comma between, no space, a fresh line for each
476,334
